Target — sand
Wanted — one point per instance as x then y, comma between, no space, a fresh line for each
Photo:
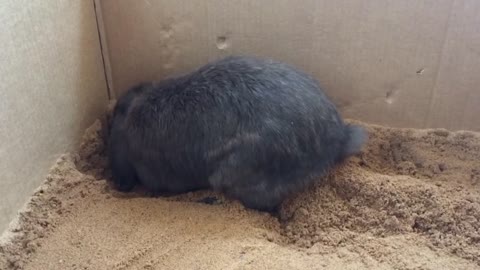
411,200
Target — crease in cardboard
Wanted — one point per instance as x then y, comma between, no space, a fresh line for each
104,49
433,90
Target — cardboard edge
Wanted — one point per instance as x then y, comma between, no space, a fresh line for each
104,48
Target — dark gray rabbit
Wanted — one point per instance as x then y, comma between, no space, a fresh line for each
257,130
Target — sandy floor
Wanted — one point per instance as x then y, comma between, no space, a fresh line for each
410,201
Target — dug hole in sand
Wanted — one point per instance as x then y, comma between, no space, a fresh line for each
411,200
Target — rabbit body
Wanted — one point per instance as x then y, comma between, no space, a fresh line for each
258,130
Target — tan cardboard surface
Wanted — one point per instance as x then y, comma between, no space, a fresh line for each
398,63
52,87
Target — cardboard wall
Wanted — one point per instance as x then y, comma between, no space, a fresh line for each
52,87
412,63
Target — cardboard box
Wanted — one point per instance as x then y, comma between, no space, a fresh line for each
52,88
397,63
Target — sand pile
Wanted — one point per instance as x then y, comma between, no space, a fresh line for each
411,200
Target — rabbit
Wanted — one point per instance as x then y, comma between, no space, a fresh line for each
256,129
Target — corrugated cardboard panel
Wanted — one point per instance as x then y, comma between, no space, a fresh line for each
400,63
52,88
455,99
